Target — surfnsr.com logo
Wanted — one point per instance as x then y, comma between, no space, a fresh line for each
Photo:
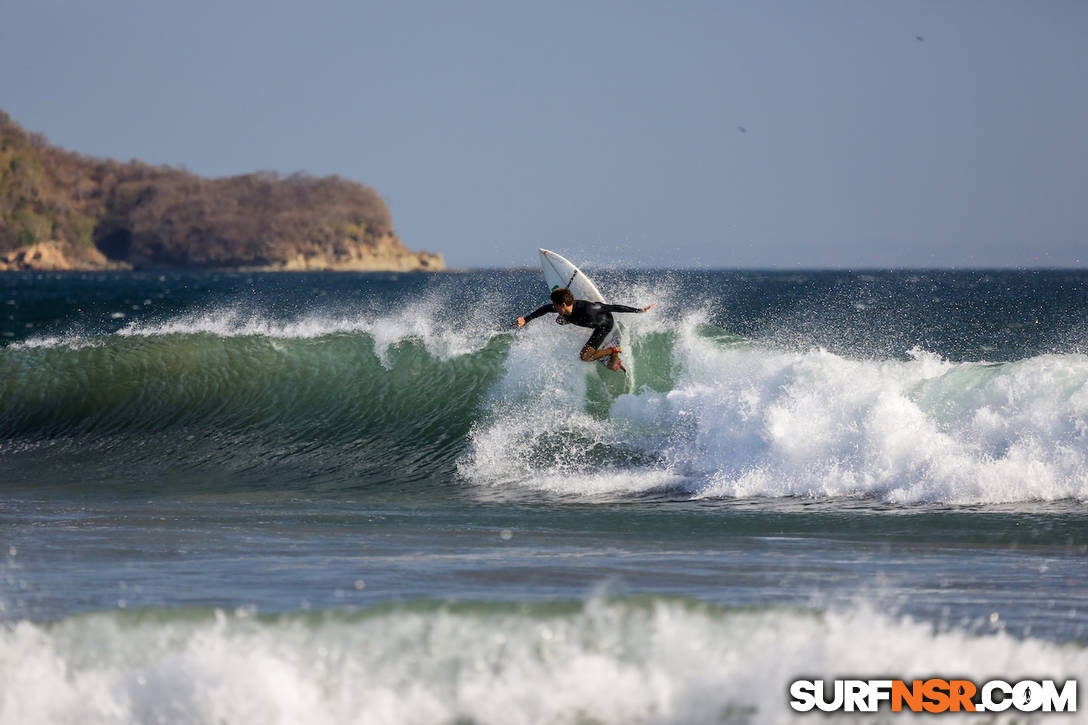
934,695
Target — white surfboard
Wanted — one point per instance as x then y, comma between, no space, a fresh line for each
560,272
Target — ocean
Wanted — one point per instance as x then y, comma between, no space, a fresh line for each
369,498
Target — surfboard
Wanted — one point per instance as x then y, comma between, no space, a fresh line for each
561,272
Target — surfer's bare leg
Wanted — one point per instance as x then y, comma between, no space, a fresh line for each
592,350
590,354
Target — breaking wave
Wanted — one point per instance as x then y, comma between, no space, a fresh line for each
607,661
413,395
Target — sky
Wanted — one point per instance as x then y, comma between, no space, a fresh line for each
765,134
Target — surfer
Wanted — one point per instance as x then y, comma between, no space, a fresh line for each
595,315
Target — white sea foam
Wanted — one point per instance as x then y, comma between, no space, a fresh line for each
744,419
609,662
542,396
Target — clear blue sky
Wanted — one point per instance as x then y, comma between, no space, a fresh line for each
606,130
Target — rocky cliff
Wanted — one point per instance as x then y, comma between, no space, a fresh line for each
63,210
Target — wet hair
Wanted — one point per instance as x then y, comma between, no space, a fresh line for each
562,296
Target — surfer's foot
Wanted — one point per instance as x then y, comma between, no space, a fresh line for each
614,363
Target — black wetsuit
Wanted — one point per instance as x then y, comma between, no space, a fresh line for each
596,315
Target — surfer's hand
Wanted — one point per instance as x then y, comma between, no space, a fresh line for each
521,322
647,309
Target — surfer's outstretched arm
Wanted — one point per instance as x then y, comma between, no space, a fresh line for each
522,321
625,308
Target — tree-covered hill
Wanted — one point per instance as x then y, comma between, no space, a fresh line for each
87,212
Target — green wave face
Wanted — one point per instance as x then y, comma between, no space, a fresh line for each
331,406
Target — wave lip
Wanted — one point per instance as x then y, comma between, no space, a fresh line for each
654,661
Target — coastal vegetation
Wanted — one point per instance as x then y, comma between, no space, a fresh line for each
61,209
